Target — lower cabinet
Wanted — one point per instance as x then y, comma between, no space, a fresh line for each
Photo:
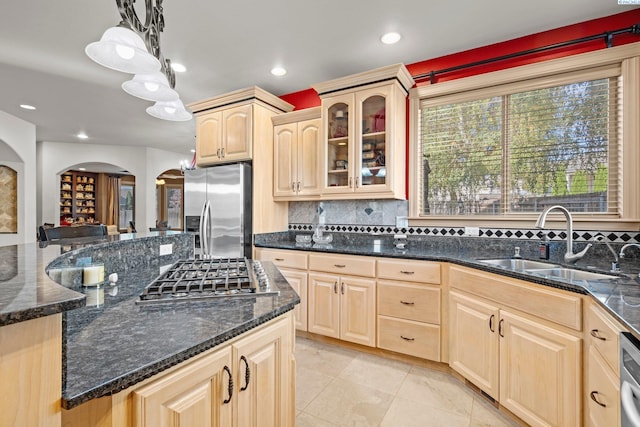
530,366
250,382
343,307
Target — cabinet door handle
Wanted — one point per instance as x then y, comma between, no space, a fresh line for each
222,151
350,182
500,327
595,334
594,397
407,272
493,316
407,302
335,287
218,153
339,265
230,387
342,288
247,373
406,338
298,186
357,180
293,186
279,259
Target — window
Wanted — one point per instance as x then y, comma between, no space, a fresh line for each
505,149
126,205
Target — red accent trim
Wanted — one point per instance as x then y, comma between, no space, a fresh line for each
307,98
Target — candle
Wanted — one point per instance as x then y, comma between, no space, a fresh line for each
95,296
93,274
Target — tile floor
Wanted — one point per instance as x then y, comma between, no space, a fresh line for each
340,387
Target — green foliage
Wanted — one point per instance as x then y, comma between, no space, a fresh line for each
579,183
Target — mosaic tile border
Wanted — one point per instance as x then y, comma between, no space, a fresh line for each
504,233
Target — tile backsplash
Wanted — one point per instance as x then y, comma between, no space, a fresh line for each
379,216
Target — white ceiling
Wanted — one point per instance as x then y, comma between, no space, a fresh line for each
232,45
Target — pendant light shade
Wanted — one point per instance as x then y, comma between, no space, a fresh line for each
150,87
123,50
169,110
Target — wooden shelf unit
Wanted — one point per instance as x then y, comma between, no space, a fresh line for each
78,199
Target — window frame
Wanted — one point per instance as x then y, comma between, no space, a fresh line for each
624,60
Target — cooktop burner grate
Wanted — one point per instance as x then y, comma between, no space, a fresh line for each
200,279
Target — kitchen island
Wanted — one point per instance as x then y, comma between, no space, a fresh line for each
111,345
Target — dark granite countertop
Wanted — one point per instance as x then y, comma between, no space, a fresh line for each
619,296
111,343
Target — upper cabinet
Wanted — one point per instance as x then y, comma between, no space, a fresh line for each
229,126
297,152
364,134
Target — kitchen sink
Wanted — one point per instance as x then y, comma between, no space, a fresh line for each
518,264
570,274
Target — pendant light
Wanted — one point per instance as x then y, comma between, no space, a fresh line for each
150,87
121,49
169,110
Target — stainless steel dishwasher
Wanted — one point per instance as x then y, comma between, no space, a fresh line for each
629,380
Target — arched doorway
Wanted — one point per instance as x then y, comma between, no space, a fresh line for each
170,200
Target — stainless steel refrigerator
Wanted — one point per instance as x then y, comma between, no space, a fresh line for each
217,209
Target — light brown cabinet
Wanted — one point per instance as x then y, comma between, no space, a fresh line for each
296,152
78,201
249,382
531,366
409,307
224,136
364,134
293,266
602,368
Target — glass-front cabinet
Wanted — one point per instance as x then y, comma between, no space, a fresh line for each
364,135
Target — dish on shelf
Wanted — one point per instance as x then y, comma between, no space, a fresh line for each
341,164
369,163
380,145
367,155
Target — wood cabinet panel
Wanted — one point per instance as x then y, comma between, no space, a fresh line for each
602,388
407,270
299,282
283,258
343,264
555,305
324,305
408,337
603,334
409,301
357,310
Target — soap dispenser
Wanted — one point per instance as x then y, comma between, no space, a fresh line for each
543,247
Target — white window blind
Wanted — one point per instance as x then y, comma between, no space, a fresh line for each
522,147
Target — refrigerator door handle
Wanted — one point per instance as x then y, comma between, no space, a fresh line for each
205,229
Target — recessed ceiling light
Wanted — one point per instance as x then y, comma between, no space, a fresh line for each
193,150
278,71
390,38
178,68
82,135
82,169
27,107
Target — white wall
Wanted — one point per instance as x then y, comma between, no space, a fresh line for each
144,163
18,151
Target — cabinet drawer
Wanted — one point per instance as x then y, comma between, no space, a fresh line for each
602,386
282,258
412,271
408,301
603,334
343,264
557,306
409,337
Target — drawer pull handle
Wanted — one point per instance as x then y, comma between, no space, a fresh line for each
595,334
407,339
279,259
407,272
342,288
500,328
230,387
493,316
335,287
594,395
339,265
407,302
247,373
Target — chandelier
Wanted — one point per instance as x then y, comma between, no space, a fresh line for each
133,47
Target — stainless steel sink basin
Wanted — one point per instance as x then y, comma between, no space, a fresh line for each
569,274
518,264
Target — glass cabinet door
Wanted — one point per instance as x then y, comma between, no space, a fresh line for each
372,153
339,130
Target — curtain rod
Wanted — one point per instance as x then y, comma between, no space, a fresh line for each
607,36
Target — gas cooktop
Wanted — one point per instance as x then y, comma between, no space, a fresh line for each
197,279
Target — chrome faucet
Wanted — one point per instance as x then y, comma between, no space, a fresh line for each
622,249
615,265
569,256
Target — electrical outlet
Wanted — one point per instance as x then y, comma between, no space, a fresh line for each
166,249
472,231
